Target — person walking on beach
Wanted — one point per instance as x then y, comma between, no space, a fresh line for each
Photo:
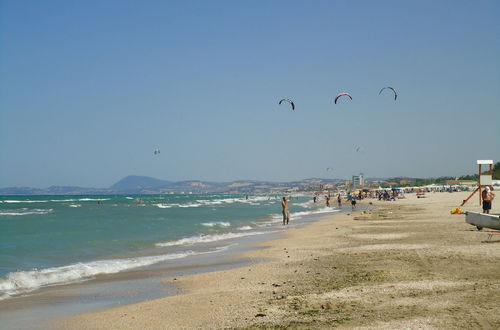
487,196
286,212
353,201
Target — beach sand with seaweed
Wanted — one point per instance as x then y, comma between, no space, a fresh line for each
404,264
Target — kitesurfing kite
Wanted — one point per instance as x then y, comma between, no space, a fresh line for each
392,89
289,101
329,169
358,149
340,95
156,151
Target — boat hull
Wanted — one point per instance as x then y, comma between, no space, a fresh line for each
482,220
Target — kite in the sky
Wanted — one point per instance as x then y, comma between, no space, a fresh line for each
340,95
392,89
289,101
156,151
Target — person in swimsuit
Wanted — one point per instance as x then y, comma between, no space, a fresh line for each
286,212
487,195
352,198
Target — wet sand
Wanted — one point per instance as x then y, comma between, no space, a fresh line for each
404,264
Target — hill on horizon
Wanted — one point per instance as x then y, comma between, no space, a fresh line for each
135,182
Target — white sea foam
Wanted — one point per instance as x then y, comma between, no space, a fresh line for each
221,201
163,206
210,202
267,224
75,205
298,215
190,205
316,211
245,228
209,238
26,281
12,201
306,205
25,211
216,224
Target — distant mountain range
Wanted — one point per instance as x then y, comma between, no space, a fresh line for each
133,182
147,185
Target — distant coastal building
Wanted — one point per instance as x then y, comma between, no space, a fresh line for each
358,180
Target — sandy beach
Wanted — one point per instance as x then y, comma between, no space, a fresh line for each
178,164
404,264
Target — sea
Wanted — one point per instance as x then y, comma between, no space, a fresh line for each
56,240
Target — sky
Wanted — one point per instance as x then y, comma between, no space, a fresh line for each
89,89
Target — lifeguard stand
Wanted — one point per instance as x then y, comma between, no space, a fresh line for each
485,179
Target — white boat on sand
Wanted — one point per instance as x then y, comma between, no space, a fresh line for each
483,220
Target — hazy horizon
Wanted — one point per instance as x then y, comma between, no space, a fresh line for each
237,180
88,90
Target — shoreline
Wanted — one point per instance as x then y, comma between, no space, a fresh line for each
407,263
131,286
27,272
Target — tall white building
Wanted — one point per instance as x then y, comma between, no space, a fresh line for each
358,180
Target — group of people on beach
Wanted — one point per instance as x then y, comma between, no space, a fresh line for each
387,196
487,196
350,197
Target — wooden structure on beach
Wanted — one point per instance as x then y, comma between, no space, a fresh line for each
485,179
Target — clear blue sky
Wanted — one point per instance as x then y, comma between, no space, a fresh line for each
88,89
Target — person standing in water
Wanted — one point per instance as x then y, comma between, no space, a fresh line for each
286,212
339,200
352,198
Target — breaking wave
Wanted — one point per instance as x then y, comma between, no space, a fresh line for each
26,281
209,238
25,211
216,224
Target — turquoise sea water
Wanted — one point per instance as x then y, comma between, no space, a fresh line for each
50,240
